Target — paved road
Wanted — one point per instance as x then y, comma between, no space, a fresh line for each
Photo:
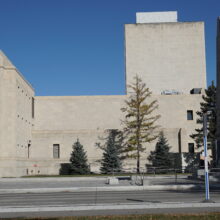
87,203
64,202
66,198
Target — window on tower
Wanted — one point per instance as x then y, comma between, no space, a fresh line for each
191,147
189,115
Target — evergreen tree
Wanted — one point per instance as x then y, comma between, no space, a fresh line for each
78,159
111,162
160,157
139,124
209,107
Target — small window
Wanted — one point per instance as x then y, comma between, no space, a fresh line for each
196,91
32,107
191,147
189,115
29,145
56,151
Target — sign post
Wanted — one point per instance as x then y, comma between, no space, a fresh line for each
207,196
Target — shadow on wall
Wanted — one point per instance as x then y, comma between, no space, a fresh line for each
65,169
191,163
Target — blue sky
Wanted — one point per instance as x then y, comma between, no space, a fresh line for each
76,47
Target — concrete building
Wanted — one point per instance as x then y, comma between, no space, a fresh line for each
37,133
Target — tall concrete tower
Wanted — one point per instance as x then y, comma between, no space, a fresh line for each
168,55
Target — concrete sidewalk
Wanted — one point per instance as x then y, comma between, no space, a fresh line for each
86,184
102,189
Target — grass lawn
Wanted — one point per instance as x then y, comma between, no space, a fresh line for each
210,216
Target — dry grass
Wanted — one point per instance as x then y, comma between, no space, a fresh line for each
208,216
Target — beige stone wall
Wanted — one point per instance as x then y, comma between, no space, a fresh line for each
173,111
43,142
61,120
15,116
7,119
167,56
77,112
24,120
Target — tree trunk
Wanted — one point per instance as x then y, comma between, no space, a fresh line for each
138,160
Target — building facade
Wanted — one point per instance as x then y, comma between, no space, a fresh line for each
37,133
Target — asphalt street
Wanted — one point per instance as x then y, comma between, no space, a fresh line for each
66,198
87,203
29,197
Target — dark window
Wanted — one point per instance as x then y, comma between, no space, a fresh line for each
56,151
196,91
32,107
189,115
191,147
29,145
